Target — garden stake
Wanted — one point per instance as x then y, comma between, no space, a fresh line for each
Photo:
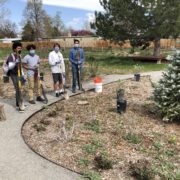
121,102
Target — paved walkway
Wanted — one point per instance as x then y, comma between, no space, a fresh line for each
17,161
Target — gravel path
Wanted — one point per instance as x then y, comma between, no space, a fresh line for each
17,161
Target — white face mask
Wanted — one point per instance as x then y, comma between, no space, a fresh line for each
76,45
32,51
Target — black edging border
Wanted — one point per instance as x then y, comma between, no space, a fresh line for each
53,104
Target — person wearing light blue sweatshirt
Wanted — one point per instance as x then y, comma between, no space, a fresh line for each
76,58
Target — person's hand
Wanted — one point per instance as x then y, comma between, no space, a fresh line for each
64,75
17,60
35,68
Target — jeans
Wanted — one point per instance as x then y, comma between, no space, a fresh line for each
75,75
14,79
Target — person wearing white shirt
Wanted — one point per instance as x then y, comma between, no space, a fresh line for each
56,62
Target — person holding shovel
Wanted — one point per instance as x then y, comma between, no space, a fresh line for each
56,62
76,57
15,72
31,63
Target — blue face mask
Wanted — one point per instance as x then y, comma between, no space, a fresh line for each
32,52
56,49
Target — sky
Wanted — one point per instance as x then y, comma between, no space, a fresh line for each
73,12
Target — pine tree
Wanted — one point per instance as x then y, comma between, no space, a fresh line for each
167,91
140,21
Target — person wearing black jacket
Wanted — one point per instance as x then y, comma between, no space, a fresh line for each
13,62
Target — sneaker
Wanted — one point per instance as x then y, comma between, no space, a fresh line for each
61,93
32,102
81,89
74,91
39,98
21,110
57,94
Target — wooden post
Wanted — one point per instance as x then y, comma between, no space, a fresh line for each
2,113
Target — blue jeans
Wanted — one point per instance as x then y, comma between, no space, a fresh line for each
75,75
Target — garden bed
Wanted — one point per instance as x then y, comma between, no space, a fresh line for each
95,140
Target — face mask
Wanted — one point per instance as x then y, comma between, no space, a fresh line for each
56,49
76,45
32,52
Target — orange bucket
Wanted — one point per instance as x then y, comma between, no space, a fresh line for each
98,84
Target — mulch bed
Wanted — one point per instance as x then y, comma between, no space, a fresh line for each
76,136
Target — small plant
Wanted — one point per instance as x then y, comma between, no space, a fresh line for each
83,161
137,68
102,162
93,126
89,148
141,149
92,175
158,145
52,113
45,122
172,140
39,127
169,153
133,138
93,146
97,142
177,175
141,170
166,170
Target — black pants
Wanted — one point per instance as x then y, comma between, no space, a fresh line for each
14,79
57,77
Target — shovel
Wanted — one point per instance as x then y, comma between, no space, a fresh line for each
79,78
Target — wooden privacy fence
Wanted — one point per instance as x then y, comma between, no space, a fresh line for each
92,42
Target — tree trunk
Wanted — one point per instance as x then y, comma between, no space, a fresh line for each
157,47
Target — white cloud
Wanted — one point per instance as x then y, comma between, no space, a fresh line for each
91,5
75,22
90,17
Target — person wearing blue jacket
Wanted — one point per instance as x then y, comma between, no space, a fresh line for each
76,57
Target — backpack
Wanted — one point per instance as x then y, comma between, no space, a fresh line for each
5,65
